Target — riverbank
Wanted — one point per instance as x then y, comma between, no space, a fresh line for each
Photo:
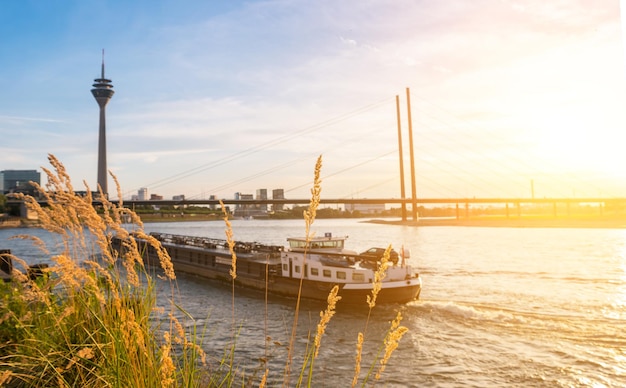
178,218
486,221
10,222
505,222
510,222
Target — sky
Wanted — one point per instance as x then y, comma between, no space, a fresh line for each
508,98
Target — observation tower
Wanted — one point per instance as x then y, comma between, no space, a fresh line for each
102,91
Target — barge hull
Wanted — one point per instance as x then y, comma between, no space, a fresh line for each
260,275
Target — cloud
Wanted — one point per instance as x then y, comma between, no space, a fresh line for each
17,120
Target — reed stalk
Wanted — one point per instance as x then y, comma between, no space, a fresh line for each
309,219
230,240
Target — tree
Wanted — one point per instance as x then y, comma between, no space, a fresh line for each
3,202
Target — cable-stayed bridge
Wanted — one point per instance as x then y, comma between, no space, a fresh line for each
453,158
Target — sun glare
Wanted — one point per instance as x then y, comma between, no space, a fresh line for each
579,142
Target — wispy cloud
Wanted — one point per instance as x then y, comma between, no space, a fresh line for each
17,120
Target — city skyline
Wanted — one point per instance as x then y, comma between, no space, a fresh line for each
217,98
144,194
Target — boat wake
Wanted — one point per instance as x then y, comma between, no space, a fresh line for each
549,346
570,327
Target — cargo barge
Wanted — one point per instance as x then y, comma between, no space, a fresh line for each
310,267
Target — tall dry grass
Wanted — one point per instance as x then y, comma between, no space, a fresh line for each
92,320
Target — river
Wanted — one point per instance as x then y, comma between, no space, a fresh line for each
519,307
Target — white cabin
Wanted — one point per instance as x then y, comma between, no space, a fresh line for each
325,259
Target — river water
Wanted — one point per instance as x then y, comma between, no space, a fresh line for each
519,307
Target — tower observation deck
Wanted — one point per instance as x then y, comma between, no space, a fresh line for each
102,92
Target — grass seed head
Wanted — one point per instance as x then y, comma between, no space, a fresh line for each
325,317
391,342
357,363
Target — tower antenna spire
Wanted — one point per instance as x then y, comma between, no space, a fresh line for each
102,64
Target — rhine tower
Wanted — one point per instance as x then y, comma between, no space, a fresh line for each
102,91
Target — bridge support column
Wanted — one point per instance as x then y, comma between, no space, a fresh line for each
402,190
413,189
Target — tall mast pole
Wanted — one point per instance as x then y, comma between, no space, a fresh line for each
402,190
413,190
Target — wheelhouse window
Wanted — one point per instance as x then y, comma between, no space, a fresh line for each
297,244
315,272
327,273
341,275
358,277
317,244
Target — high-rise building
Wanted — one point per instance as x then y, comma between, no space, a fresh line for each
243,209
18,180
261,194
278,194
142,194
102,91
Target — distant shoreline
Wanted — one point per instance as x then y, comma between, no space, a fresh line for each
486,222
612,223
504,222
